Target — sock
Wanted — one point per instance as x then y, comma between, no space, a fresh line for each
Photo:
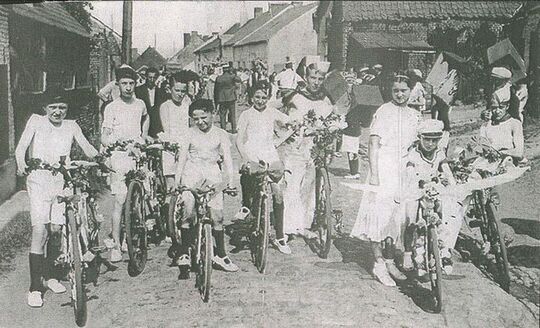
278,219
36,271
185,236
388,248
353,166
219,236
53,251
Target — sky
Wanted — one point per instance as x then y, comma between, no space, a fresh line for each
168,20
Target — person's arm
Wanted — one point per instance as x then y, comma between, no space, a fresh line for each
145,123
227,159
241,136
517,140
105,93
164,123
445,168
86,147
182,159
24,143
107,132
373,154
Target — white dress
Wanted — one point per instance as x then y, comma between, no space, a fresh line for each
378,216
299,193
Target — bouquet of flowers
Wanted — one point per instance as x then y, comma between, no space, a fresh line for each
478,160
324,131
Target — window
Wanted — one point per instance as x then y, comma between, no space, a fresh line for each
68,80
33,80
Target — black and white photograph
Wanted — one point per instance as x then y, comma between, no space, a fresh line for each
193,163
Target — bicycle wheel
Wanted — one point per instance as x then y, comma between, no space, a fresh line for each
323,213
498,247
261,232
205,256
92,271
175,213
78,293
135,229
434,267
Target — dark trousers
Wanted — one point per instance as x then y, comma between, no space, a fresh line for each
227,109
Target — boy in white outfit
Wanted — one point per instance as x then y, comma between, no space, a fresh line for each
122,121
48,138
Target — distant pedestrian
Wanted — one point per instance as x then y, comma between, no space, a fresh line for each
418,93
287,80
225,97
153,97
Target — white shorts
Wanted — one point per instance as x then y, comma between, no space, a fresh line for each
350,144
121,163
169,163
197,174
43,188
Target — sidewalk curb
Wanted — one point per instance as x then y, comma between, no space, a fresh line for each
10,208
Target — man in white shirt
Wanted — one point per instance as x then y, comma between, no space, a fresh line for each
288,79
255,143
122,121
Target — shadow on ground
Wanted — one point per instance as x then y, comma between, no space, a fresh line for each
527,227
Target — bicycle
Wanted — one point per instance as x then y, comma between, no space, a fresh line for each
483,214
144,209
203,248
81,249
425,236
260,227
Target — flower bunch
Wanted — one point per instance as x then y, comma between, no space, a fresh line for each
119,145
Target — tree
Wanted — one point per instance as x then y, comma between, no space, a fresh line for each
80,10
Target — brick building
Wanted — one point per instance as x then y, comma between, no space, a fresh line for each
395,33
41,45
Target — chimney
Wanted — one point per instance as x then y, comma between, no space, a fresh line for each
187,39
257,11
275,8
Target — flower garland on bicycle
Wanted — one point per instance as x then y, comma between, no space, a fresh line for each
198,166
48,139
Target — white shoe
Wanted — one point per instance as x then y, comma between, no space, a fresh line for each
394,271
55,286
116,255
225,264
380,272
352,176
281,245
183,260
34,299
407,261
168,240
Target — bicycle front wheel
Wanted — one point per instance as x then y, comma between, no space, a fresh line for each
206,254
498,247
323,213
175,213
78,293
135,229
262,234
434,267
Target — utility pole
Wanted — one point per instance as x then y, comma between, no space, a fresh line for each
126,31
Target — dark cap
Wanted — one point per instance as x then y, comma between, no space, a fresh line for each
126,72
54,95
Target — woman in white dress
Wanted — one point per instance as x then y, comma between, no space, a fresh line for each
393,130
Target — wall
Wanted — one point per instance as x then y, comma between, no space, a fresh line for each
7,167
249,52
296,40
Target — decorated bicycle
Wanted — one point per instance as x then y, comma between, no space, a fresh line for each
144,213
80,247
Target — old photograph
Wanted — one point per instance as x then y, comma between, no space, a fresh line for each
269,164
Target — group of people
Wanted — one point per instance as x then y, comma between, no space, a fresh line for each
403,148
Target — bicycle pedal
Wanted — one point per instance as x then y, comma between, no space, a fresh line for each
88,256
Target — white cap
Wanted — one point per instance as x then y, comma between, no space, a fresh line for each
501,73
431,128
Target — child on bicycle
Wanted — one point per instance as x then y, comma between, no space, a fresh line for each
255,143
425,161
174,115
198,166
48,138
122,120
